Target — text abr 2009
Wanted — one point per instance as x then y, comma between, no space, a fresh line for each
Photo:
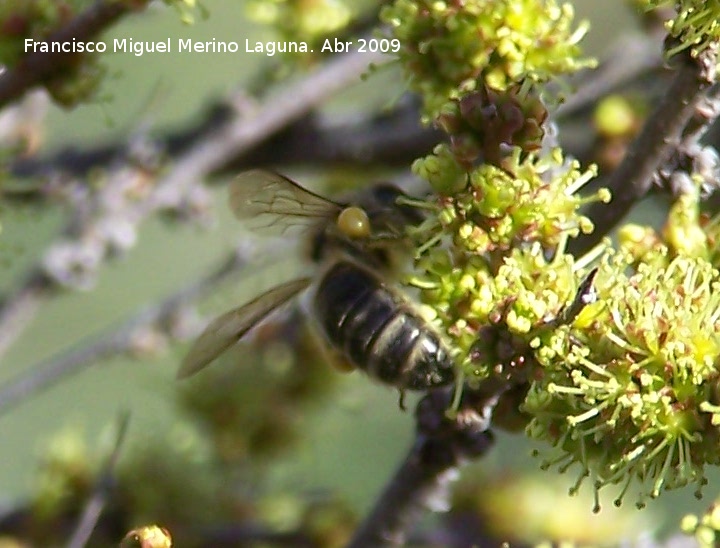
383,45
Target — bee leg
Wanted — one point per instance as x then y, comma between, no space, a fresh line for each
401,399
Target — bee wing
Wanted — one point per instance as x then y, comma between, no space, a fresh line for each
274,204
230,327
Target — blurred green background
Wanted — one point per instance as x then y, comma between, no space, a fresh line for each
351,443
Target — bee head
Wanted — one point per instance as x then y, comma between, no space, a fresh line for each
389,216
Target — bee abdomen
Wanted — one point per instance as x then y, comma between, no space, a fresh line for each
378,331
411,355
342,289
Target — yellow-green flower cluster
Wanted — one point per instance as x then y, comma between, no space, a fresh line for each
442,170
626,387
695,26
686,232
491,316
705,529
528,199
451,48
633,393
494,274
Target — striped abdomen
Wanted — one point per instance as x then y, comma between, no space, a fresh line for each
378,331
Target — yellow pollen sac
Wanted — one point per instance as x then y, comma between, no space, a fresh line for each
353,222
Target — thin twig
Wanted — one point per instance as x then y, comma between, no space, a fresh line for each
36,67
19,307
277,111
661,135
391,138
95,505
116,340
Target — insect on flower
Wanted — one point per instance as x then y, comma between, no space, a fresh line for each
365,319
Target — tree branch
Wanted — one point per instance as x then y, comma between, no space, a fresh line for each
441,445
660,136
393,138
36,67
278,110
159,318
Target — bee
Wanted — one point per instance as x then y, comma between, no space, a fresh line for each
361,314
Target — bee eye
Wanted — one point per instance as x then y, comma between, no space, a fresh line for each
353,222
